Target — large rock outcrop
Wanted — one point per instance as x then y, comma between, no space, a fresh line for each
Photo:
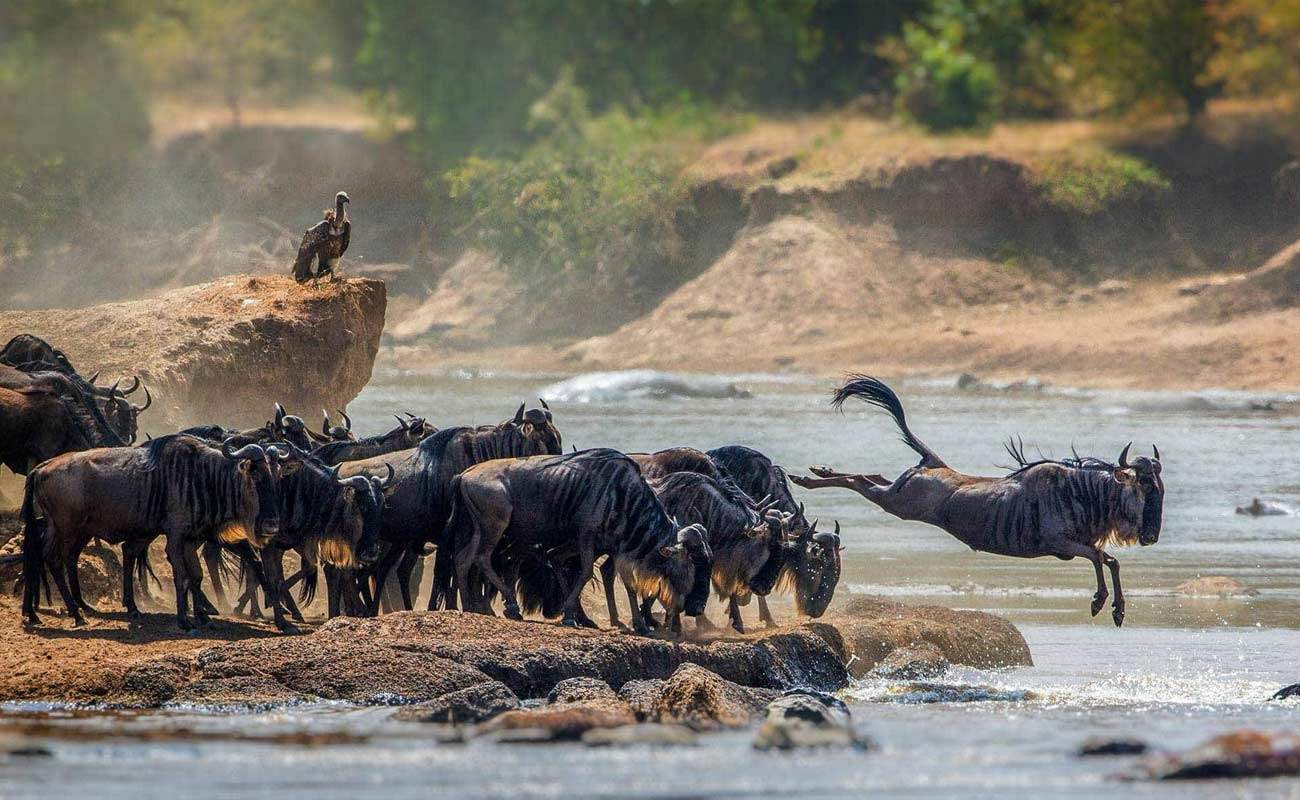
225,351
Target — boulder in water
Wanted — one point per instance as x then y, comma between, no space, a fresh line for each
703,700
802,718
1102,746
477,703
921,661
563,723
1240,754
649,733
1263,508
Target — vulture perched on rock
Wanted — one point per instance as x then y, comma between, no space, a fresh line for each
325,241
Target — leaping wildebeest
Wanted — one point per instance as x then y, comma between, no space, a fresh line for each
578,507
1068,509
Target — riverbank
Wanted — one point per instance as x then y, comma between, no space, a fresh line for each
420,656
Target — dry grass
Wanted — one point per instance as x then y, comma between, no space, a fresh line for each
175,117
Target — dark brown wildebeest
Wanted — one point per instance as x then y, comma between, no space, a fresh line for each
420,503
1065,509
175,484
80,402
35,426
748,548
337,433
407,435
580,505
812,564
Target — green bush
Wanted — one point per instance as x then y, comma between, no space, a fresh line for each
1089,181
943,87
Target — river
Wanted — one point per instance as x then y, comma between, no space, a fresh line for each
1180,670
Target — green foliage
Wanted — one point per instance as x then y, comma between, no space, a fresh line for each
943,87
596,197
1089,181
73,120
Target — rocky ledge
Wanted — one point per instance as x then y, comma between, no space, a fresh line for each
452,666
224,351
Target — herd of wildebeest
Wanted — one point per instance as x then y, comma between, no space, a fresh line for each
505,512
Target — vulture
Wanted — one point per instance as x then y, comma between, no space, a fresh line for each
325,241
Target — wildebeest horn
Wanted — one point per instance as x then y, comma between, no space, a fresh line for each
325,422
389,480
334,471
347,421
519,415
134,386
1123,456
1156,450
279,416
543,402
148,401
575,447
93,378
401,422
112,390
278,454
251,451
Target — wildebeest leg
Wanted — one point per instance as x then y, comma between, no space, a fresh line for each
608,573
647,614
132,553
733,610
74,583
405,567
1118,606
380,574
180,579
57,566
212,557
1068,550
573,616
273,575
201,602
864,485
765,613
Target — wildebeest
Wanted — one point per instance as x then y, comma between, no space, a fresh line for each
812,564
26,350
327,518
337,433
420,503
408,433
175,484
581,505
1043,508
748,549
69,390
35,426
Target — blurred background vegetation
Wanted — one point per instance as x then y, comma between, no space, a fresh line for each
556,131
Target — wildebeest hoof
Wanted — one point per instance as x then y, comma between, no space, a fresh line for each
31,621
134,615
78,621
290,629
517,616
569,622
642,630
1098,601
1118,616
822,471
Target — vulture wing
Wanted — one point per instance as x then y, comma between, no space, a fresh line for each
313,242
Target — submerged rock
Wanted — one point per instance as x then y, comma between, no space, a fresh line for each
551,724
1240,754
1263,508
703,700
648,733
1101,746
870,629
477,703
1214,586
801,718
919,662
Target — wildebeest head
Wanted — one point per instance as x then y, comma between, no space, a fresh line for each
413,429
774,527
337,433
259,474
813,566
367,494
538,427
122,415
688,566
1144,489
291,428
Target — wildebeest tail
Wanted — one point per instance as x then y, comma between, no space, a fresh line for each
443,588
875,392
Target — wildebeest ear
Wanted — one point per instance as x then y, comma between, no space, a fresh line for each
671,551
519,415
1125,476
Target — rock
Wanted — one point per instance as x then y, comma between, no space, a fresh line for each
1214,586
473,704
871,628
1101,746
781,167
19,746
642,697
1263,508
1113,286
968,381
549,724
696,697
649,733
1287,692
1240,754
417,657
919,662
306,346
243,691
921,692
800,719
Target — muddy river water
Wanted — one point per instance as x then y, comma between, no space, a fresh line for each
1182,669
